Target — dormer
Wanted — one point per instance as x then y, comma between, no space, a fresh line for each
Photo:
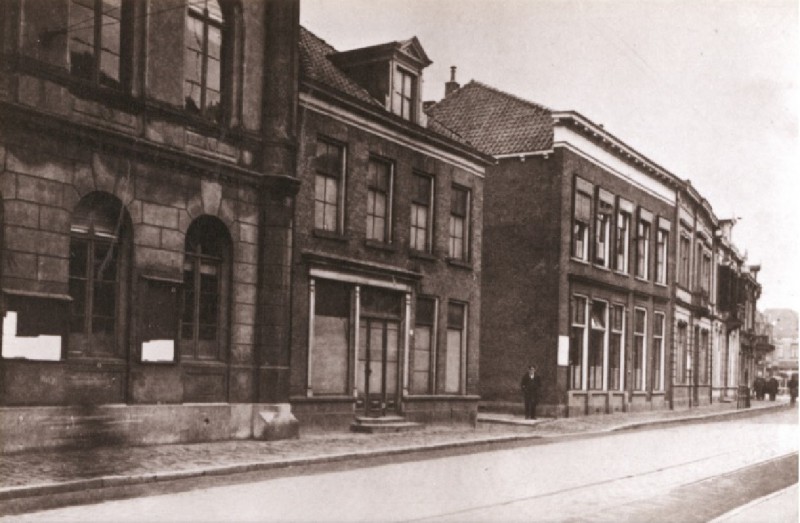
391,73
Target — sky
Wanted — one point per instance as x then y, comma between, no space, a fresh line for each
706,89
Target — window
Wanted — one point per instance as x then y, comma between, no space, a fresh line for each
98,275
421,205
424,341
705,272
623,240
202,85
597,342
96,42
379,201
639,348
658,351
404,93
456,342
662,239
206,271
616,351
459,224
581,220
642,248
702,358
698,265
684,268
577,335
331,340
329,187
602,232
684,356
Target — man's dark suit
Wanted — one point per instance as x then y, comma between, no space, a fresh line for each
530,392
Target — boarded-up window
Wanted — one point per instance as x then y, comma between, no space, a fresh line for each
331,337
33,328
159,313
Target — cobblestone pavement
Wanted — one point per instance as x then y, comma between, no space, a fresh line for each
58,466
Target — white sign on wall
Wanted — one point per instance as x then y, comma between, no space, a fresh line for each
563,350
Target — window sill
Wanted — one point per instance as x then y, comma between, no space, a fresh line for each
643,280
422,255
579,260
461,264
381,246
601,267
624,274
664,285
329,235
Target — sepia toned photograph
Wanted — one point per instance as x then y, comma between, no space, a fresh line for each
399,261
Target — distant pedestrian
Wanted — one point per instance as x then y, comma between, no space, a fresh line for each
793,388
531,382
772,388
759,387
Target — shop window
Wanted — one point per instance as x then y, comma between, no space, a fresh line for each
577,335
597,343
329,187
206,290
99,40
639,355
423,353
379,201
205,36
658,351
331,337
421,213
616,347
456,347
99,267
459,224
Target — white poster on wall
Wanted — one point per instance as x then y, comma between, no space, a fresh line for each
563,350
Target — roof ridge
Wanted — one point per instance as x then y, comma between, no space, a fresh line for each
509,95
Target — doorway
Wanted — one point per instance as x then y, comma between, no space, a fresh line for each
377,371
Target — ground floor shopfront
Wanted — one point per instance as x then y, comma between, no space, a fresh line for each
382,344
692,357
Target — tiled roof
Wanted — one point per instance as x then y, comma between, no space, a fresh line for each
495,122
314,65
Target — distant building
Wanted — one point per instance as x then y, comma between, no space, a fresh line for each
387,248
783,324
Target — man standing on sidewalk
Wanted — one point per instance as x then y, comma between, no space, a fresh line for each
530,391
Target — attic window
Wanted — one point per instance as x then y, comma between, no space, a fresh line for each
404,93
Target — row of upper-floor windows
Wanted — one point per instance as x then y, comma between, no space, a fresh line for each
331,183
613,233
100,50
694,270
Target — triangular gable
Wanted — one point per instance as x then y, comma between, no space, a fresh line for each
413,49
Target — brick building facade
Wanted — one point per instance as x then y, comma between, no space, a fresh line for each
578,257
147,180
387,248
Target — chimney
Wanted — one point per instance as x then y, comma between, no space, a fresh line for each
452,85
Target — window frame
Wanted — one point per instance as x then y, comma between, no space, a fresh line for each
662,252
432,356
592,376
658,352
622,240
466,228
463,330
340,179
207,21
410,99
374,189
620,333
125,56
636,357
429,206
581,226
644,230
685,253
579,352
603,218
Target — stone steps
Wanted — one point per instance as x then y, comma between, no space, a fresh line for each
383,424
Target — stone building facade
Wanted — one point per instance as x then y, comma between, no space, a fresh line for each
147,182
578,258
387,246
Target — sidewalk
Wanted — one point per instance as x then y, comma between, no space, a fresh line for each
36,474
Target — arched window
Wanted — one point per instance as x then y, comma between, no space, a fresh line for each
99,254
206,279
203,58
99,40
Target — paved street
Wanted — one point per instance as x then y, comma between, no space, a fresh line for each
693,472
